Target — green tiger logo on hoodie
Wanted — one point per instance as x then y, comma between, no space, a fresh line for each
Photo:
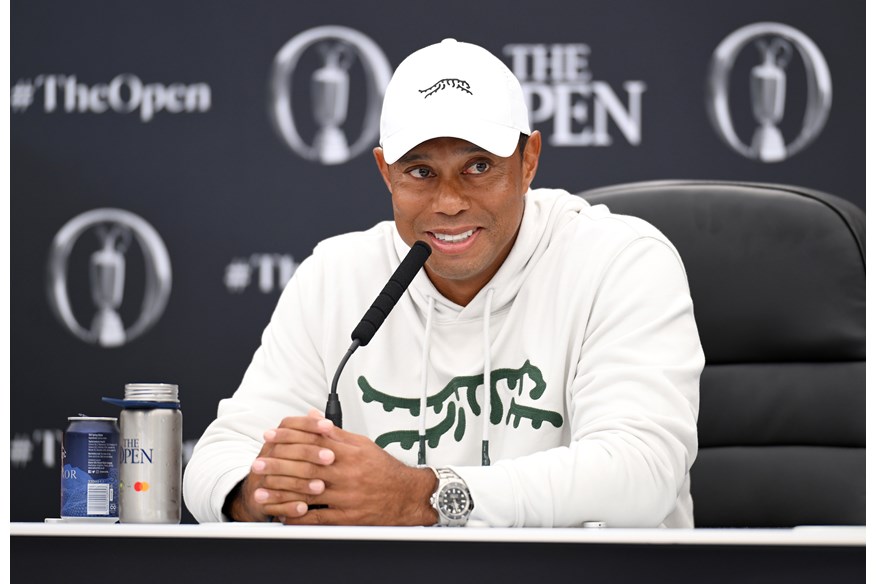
456,405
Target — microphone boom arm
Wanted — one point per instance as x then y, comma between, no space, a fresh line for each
374,317
333,405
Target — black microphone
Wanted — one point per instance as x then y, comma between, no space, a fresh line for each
386,300
375,315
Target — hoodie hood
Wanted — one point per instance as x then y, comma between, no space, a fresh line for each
544,211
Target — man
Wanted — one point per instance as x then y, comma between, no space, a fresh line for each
545,364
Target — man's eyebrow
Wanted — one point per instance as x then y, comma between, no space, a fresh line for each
473,149
415,156
412,156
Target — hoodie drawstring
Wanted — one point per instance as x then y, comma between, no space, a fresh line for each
421,455
485,442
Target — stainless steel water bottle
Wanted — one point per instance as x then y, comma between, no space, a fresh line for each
150,454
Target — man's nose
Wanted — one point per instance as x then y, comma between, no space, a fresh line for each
449,199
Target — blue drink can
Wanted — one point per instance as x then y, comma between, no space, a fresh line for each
90,469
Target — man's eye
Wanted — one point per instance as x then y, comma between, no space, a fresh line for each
478,168
420,172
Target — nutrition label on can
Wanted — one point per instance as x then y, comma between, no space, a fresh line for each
101,455
89,474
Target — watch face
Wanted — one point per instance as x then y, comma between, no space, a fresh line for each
453,500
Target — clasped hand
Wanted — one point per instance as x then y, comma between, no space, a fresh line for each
307,461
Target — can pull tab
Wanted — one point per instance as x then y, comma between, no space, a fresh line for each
130,404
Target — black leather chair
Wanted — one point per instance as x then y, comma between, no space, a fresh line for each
777,279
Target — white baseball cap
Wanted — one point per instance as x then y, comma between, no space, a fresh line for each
452,89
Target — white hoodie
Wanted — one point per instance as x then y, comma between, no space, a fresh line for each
587,332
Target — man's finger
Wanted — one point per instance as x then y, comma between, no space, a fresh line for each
289,436
303,423
294,485
288,468
288,510
331,431
302,452
323,516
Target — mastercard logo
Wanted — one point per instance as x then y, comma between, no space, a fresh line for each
141,487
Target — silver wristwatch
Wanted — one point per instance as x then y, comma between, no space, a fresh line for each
452,499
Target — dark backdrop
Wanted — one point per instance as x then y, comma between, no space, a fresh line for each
163,110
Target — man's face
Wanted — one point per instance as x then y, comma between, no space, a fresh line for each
465,202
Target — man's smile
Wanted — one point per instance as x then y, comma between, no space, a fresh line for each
453,243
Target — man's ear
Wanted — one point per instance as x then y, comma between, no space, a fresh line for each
382,166
531,153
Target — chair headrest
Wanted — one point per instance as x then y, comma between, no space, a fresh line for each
776,272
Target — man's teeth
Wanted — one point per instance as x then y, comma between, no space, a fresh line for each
455,238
